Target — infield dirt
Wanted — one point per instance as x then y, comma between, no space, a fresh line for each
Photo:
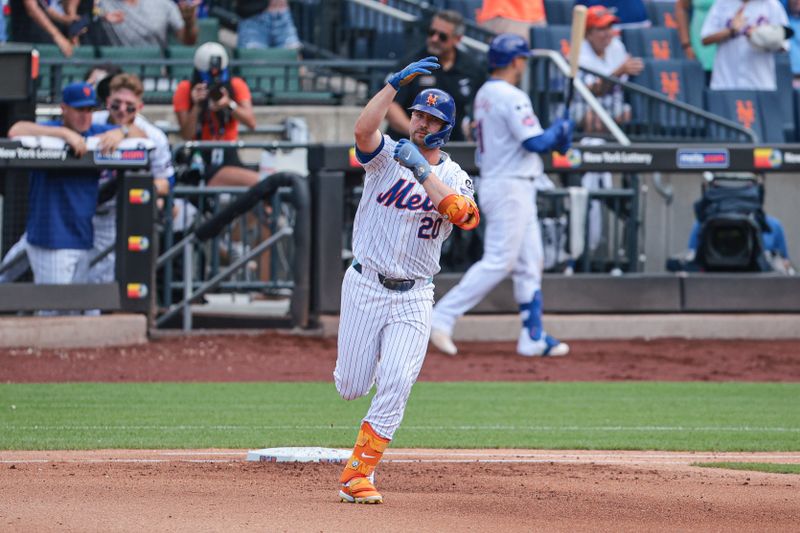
438,490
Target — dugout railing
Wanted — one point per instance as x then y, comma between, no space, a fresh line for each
278,190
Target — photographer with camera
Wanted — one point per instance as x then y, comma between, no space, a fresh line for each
210,107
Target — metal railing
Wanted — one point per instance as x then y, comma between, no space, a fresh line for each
547,79
313,81
610,236
244,234
262,217
617,247
654,117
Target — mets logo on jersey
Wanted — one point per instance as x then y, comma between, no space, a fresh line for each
432,99
399,195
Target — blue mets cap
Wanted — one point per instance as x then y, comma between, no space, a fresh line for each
79,94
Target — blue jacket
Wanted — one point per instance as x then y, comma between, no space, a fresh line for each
61,204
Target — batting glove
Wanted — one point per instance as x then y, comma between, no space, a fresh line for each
564,130
408,155
423,66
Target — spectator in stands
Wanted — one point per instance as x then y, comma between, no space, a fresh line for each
794,42
61,204
210,107
149,22
123,108
100,77
266,24
690,16
460,76
30,23
604,53
738,63
512,16
630,13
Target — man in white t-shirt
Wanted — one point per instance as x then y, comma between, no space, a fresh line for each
739,64
603,52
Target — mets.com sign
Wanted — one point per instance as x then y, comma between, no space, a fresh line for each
702,159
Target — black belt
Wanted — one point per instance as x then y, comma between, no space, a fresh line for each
393,284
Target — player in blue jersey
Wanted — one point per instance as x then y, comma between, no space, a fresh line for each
61,203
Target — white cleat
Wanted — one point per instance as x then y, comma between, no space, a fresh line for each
547,346
443,342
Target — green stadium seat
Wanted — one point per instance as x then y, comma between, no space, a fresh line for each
125,53
207,31
265,79
69,73
154,79
276,83
186,53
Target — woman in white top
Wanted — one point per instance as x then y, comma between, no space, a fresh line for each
738,63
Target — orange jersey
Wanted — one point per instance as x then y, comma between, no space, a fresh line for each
522,10
182,101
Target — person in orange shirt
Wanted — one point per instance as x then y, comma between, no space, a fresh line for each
210,107
512,16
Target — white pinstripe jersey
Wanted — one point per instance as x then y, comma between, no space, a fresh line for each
397,230
505,118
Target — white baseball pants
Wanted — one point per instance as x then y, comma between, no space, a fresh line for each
383,339
512,246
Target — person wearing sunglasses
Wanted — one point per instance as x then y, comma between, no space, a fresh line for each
460,76
123,108
59,233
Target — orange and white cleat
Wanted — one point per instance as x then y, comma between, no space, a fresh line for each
360,490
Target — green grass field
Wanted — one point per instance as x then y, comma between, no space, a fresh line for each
771,468
625,415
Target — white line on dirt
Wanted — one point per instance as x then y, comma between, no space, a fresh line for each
610,457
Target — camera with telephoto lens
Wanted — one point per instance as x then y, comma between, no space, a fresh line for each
216,84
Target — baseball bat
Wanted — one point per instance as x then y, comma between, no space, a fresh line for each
577,35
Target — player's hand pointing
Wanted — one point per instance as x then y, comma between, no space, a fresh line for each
408,155
423,66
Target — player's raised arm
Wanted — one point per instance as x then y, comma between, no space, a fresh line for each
457,208
367,134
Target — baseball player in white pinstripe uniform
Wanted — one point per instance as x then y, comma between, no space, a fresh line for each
413,194
510,139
